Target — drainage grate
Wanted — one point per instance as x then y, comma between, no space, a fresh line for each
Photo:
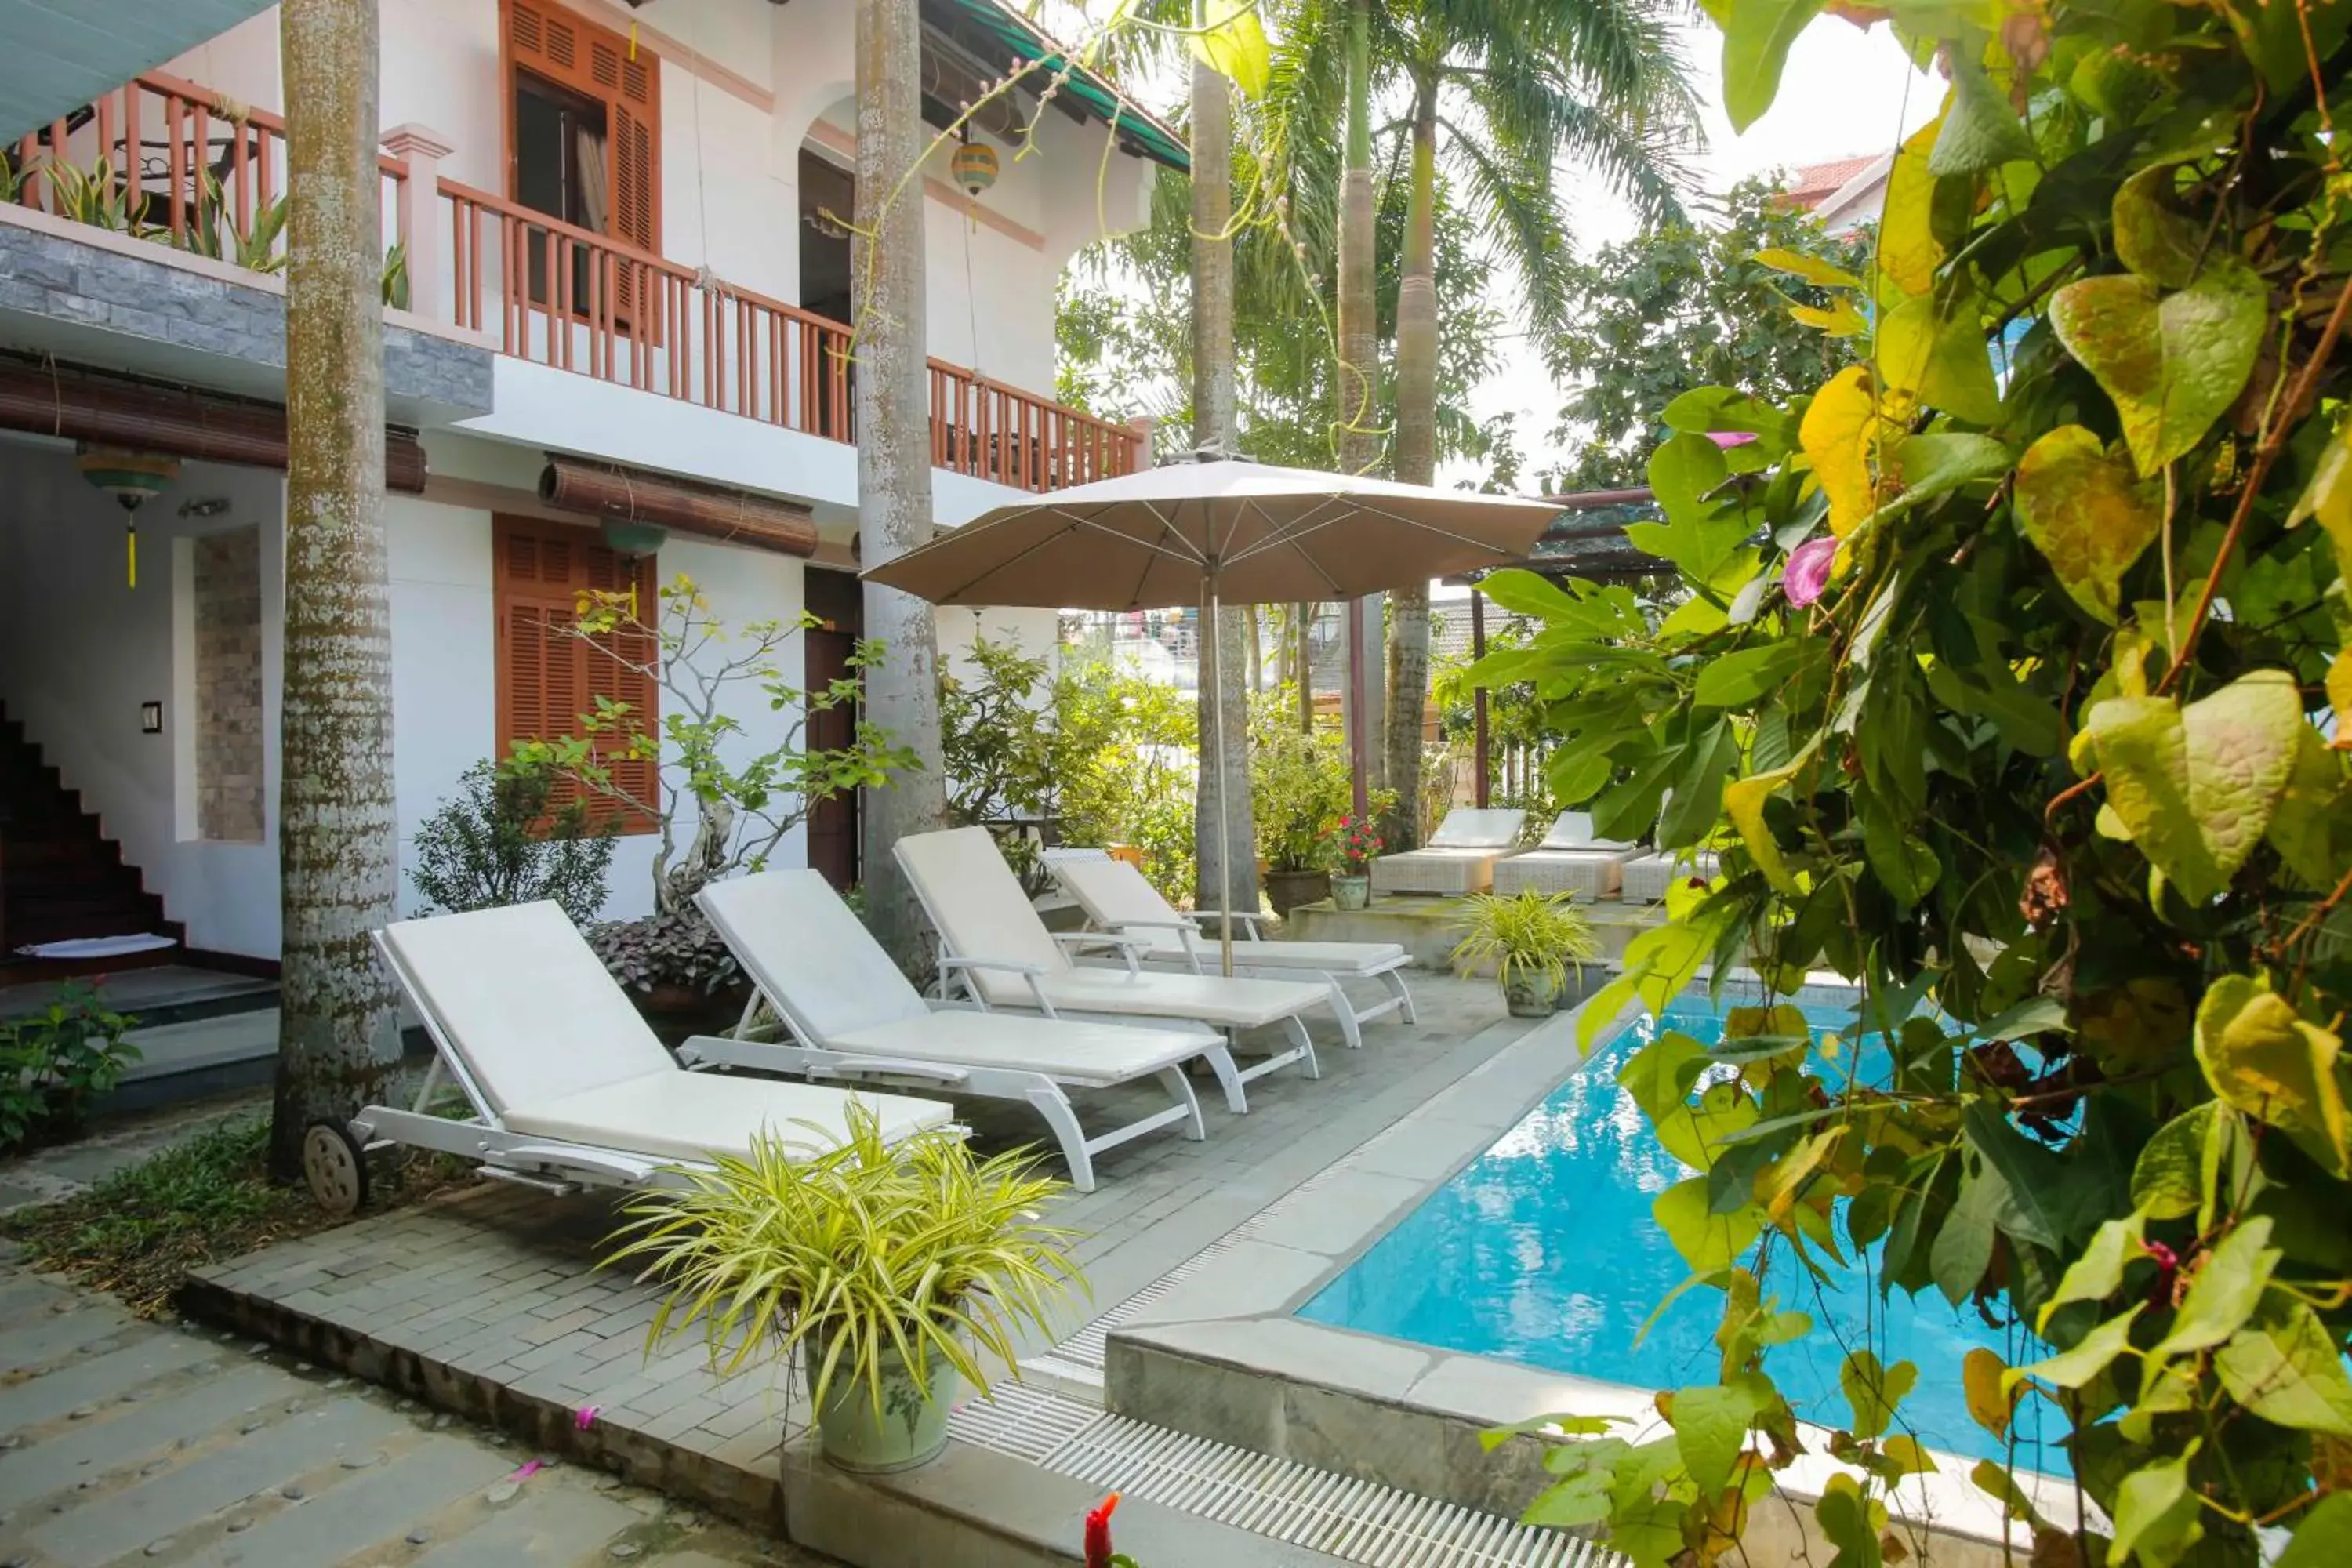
1025,1423
1355,1520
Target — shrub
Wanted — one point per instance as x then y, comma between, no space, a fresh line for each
54,1064
496,843
679,949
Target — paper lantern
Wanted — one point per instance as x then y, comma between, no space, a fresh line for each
131,477
975,166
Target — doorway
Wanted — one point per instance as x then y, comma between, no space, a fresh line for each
835,829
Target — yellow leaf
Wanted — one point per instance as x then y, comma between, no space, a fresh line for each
2090,514
1839,433
1980,1381
1840,319
2339,685
1811,268
1908,252
2266,1060
2328,497
1777,1185
1743,801
1233,43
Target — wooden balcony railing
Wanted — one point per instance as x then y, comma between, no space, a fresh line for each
171,161
565,297
165,159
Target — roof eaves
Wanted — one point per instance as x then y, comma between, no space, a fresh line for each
1145,133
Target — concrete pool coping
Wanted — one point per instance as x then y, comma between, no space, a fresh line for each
1223,1355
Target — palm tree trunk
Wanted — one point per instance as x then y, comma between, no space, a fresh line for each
1223,837
339,847
1357,386
894,458
1304,637
1417,463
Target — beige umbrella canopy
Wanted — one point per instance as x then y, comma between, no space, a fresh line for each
1216,531
1248,533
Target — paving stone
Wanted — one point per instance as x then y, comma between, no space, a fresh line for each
81,1385
95,1535
549,1527
376,1507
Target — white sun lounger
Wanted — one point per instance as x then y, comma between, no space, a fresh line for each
852,1014
995,949
1460,857
1118,897
568,1084
1568,860
1648,877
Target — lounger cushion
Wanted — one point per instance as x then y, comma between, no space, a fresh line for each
1067,1051
525,1002
796,939
677,1115
1238,1004
1573,830
1465,827
976,901
1324,957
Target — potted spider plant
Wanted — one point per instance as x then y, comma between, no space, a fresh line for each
1530,941
889,1269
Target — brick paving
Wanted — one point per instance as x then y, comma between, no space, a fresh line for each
488,1300
129,1442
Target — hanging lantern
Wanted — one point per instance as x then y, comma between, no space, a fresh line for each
974,166
131,477
634,539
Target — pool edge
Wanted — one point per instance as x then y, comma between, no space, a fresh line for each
1225,1356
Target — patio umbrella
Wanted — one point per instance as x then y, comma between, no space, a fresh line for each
1216,531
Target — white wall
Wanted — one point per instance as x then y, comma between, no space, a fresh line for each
79,651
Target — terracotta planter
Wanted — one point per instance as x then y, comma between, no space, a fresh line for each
1285,890
1351,892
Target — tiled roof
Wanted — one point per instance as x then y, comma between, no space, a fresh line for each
1815,183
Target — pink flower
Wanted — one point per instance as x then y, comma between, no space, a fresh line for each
585,1416
1807,574
1727,440
527,1470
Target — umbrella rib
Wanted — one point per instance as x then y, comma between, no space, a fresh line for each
1301,528
1277,535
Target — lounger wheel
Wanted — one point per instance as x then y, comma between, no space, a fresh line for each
335,1168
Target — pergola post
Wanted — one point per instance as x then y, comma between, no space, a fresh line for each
1478,697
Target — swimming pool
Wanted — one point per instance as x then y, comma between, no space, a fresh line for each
1542,1250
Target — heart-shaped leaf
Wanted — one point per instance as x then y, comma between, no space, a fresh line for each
2089,512
2154,240
1756,38
1936,357
2195,786
1909,250
1980,129
2173,362
1839,430
2272,1063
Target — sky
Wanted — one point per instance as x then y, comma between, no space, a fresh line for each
1845,93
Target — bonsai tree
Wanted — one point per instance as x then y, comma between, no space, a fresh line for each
890,1270
496,842
716,809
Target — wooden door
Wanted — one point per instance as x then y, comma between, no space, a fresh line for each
834,826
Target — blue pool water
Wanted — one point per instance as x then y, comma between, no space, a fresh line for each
1543,1251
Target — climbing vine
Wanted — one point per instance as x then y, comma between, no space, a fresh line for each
2007,684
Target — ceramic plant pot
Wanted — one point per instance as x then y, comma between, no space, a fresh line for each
1531,995
909,1429
1351,892
1285,890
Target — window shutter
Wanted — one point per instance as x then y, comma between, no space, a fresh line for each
546,676
633,158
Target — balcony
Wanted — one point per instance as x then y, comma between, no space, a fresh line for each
172,161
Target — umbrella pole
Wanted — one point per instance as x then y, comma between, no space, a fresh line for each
1215,671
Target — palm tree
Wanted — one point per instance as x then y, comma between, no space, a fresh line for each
1499,92
893,455
1357,383
337,839
1225,856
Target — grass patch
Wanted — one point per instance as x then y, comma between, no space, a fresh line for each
140,1231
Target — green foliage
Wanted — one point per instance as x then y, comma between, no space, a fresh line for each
739,806
1530,936
1123,754
212,230
997,746
497,843
55,1062
396,275
1299,782
1736,302
850,1250
2047,772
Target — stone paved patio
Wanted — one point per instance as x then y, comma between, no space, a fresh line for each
123,1441
487,1301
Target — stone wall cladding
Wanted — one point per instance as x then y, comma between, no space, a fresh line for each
64,280
228,686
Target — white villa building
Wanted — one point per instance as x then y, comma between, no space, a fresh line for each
621,259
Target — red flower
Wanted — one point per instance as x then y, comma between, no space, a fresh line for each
1098,1531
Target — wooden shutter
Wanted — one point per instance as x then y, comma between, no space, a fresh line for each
599,63
547,677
